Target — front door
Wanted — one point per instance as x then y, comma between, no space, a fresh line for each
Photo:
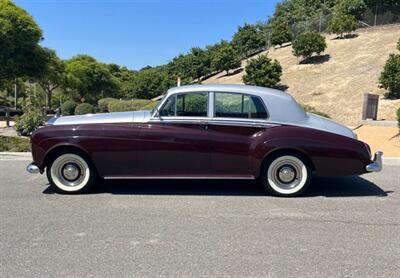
176,143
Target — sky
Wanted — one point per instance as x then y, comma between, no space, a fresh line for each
137,33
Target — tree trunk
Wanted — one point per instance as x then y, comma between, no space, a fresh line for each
48,99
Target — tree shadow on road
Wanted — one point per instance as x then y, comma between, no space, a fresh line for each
328,187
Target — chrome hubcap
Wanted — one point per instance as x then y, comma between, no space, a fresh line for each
70,172
286,174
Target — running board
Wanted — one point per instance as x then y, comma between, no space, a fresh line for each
179,177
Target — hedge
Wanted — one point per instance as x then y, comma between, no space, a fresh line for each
129,105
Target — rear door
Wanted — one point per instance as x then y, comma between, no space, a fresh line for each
237,119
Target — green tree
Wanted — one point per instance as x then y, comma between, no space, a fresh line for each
88,79
280,33
225,59
262,71
150,83
20,53
390,77
53,76
200,63
309,43
342,24
354,8
249,39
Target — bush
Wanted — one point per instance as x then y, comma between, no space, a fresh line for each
312,110
398,45
29,122
308,43
390,77
103,103
280,34
150,106
398,117
14,144
84,108
225,59
342,24
68,107
262,71
128,105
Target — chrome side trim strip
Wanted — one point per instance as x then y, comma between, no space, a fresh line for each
214,121
179,177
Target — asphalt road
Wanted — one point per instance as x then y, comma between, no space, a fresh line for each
342,227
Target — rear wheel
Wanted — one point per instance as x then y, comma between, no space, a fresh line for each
70,173
286,175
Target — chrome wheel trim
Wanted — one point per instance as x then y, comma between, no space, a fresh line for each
70,172
287,174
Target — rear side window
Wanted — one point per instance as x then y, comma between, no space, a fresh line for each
257,109
232,105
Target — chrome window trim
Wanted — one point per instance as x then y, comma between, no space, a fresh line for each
215,121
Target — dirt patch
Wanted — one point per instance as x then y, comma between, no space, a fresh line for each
386,139
335,85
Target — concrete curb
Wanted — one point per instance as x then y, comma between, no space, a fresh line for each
392,161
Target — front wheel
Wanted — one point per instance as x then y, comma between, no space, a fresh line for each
286,175
70,173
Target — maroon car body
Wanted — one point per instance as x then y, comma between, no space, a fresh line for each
199,147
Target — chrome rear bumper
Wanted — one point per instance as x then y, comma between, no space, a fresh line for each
376,165
33,169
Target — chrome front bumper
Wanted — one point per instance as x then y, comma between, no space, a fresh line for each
32,169
376,165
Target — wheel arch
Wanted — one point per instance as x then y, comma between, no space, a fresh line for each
64,148
288,151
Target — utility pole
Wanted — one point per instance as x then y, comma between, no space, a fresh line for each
376,14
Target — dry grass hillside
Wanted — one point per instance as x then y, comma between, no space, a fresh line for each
336,84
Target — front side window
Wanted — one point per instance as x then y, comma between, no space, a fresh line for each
232,105
186,105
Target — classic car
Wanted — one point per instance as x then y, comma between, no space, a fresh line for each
202,132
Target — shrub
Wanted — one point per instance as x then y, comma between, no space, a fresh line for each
398,45
128,105
29,122
342,24
308,43
103,103
68,107
280,34
150,106
390,77
312,110
225,59
398,117
262,71
14,144
84,108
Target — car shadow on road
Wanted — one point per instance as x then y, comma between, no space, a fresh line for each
321,186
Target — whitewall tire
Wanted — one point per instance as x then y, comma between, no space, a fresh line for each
286,175
70,173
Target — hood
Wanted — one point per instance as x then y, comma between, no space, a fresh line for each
318,122
102,118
